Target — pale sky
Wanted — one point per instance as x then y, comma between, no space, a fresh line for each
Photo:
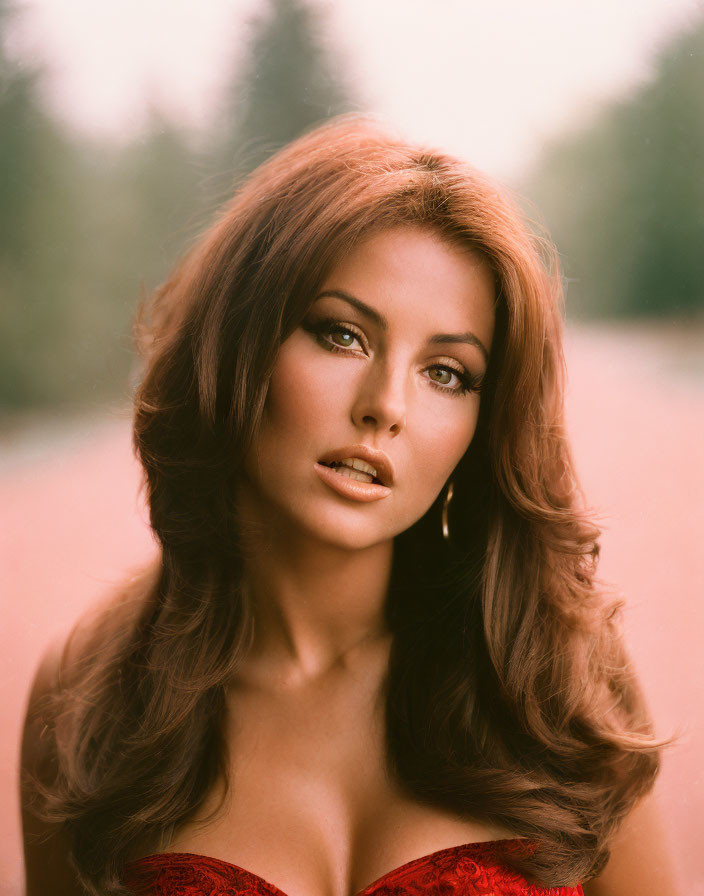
492,82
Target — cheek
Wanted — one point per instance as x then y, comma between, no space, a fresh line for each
444,439
301,392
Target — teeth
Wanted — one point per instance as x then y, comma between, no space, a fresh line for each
358,464
353,474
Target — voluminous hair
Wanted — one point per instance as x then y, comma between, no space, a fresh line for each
509,693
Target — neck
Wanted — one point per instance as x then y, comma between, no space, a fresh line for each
314,603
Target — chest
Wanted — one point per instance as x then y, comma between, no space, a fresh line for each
312,807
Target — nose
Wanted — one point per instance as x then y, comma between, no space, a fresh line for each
381,400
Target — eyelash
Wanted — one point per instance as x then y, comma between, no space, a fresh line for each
468,382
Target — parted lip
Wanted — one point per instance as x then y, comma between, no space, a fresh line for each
375,457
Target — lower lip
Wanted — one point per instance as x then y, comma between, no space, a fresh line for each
351,488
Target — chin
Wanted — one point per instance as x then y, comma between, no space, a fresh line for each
340,528
356,526
351,537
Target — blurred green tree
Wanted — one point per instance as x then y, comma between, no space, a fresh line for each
624,197
137,213
35,208
287,84
86,227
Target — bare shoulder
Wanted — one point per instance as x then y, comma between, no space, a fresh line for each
47,866
641,860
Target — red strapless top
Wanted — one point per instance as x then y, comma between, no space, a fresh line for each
472,869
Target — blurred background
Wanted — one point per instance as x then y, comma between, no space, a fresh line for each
124,125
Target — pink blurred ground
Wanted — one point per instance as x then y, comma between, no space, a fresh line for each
72,527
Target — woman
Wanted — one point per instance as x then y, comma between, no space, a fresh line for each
374,639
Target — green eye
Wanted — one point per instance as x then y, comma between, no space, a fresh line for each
345,337
333,336
467,382
443,371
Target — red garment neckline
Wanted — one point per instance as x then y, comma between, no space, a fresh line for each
163,858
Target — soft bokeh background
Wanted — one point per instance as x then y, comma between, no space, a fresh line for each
123,125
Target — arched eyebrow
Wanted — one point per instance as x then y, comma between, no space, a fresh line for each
383,323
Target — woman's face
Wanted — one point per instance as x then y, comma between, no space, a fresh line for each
388,357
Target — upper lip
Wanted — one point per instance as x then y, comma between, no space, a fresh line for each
381,463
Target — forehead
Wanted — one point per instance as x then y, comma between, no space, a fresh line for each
416,277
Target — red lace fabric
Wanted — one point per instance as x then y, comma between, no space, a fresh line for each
473,869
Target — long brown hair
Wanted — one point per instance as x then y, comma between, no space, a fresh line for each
509,694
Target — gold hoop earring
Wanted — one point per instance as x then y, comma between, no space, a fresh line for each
445,505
